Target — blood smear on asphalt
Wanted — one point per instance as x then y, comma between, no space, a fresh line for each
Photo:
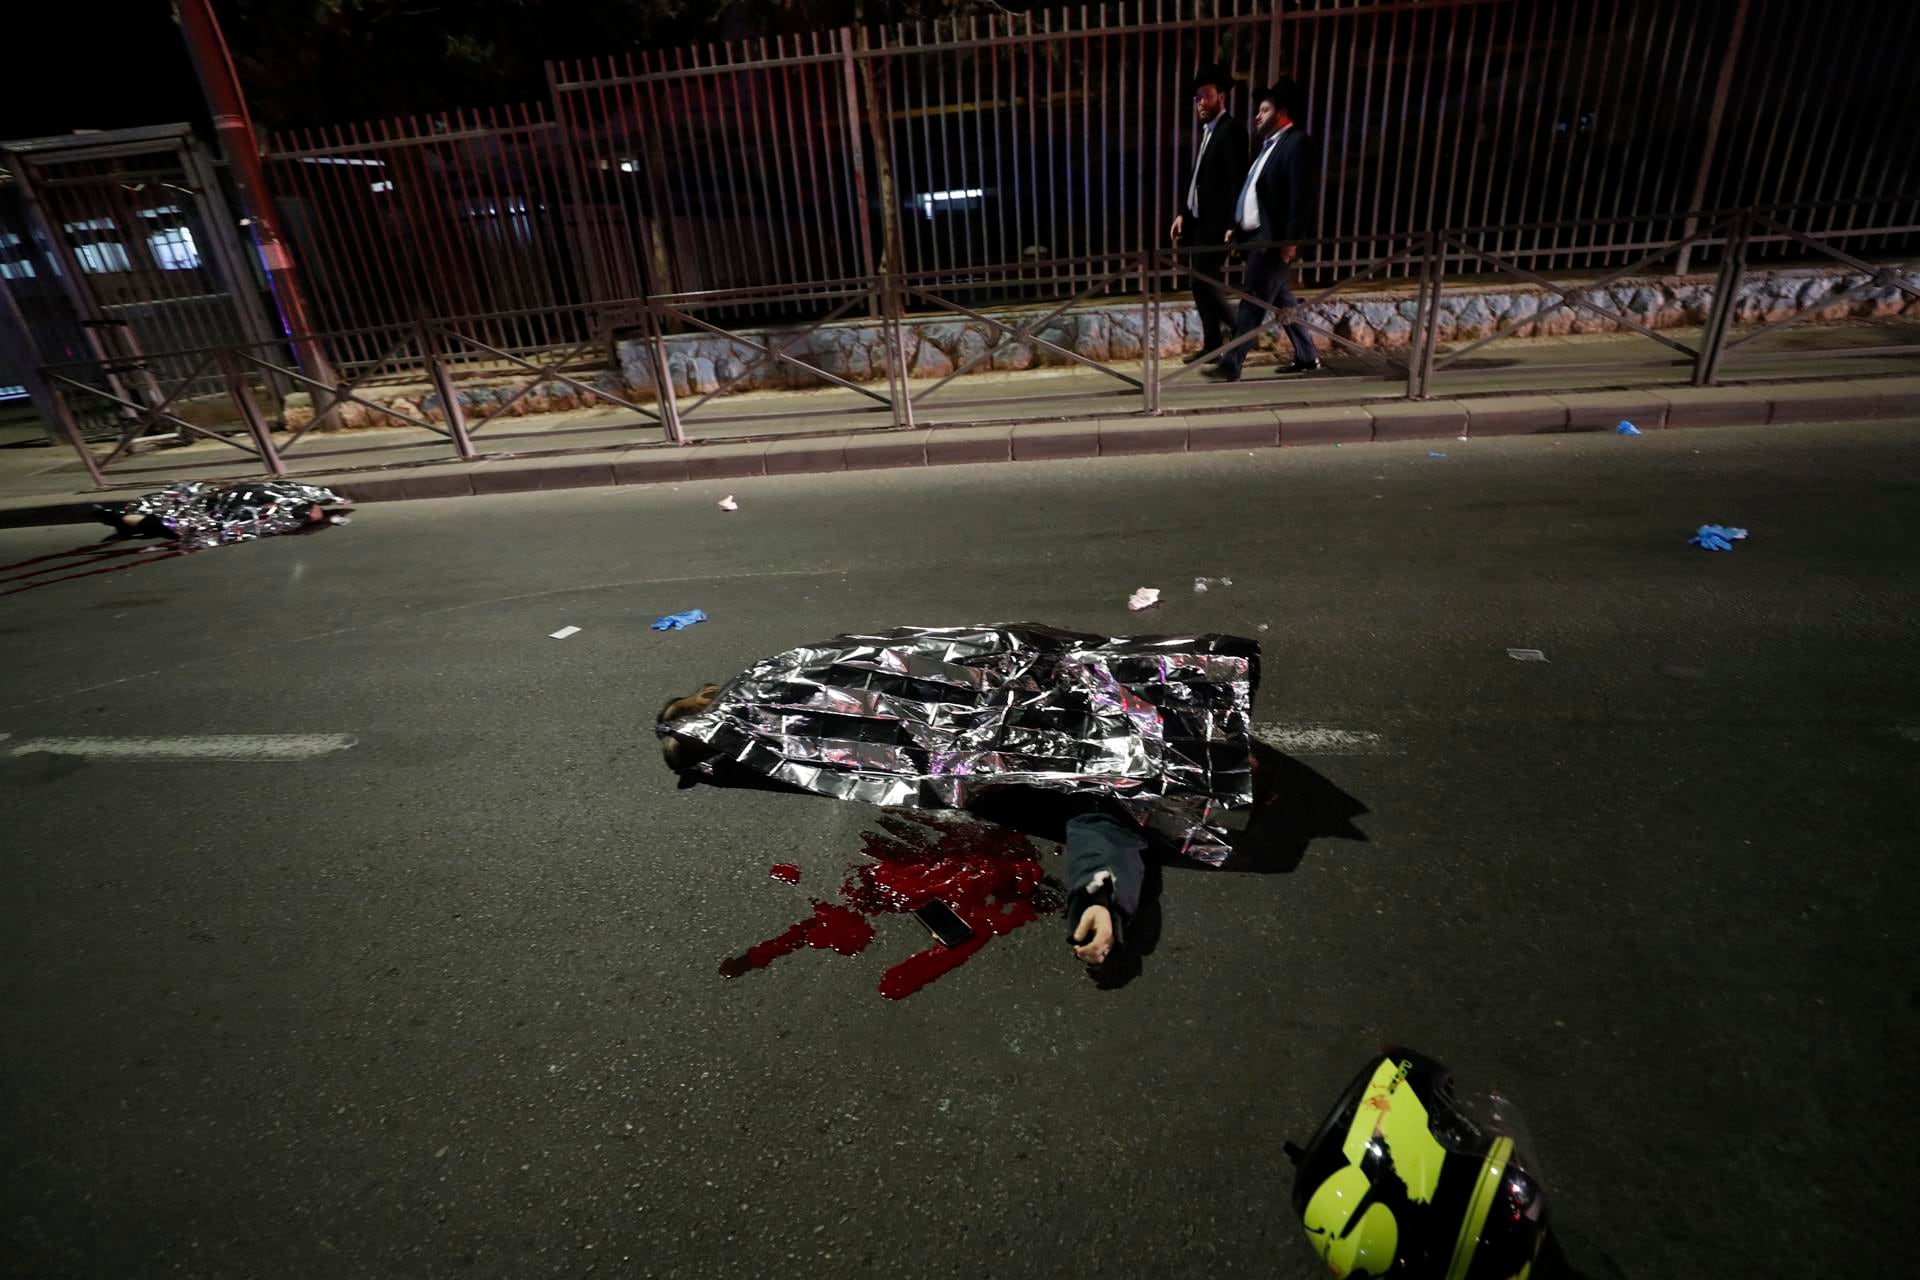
87,555
989,875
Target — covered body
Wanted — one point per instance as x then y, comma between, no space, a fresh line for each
207,515
935,716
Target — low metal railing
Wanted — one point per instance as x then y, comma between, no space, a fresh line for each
444,353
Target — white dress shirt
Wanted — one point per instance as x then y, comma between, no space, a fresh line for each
1193,187
1249,198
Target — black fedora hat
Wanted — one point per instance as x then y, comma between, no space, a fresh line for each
1286,94
1216,75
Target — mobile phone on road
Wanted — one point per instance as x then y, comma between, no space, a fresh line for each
944,923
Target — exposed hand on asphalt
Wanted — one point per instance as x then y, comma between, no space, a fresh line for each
1093,940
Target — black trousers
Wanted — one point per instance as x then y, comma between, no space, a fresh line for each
1210,300
1267,279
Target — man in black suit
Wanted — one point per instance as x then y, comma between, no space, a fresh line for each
1275,206
1206,201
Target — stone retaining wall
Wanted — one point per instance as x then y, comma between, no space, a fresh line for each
935,347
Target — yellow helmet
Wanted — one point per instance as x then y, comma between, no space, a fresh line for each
1405,1180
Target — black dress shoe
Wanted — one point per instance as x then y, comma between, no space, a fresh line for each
1220,373
1209,354
1297,367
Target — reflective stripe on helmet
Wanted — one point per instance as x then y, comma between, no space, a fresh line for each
1485,1188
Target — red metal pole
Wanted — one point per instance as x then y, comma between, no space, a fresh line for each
208,48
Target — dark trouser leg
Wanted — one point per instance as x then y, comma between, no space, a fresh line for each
1209,300
1303,352
1265,274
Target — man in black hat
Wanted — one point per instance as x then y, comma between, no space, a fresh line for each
1206,201
1273,209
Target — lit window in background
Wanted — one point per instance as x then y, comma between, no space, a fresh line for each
380,186
968,198
102,256
19,270
98,256
174,250
515,207
508,220
172,247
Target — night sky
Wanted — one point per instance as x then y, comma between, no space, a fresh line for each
105,65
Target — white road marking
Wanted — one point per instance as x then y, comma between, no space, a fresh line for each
1526,655
563,633
219,746
1319,740
413,615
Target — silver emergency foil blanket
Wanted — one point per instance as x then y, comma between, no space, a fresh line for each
208,515
933,716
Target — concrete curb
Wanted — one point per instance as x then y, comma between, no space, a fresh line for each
1649,409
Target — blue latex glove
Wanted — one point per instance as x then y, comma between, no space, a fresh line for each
1717,537
679,621
1626,429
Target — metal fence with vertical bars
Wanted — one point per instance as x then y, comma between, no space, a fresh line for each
468,214
1010,158
1017,138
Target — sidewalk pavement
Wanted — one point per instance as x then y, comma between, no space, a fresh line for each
1596,382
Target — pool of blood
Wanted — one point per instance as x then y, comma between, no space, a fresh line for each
989,875
785,873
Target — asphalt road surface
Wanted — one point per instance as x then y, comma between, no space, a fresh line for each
428,985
